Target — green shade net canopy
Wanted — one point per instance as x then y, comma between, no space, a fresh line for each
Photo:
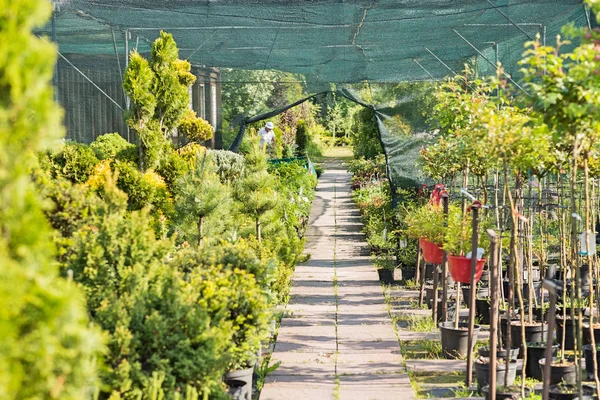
343,42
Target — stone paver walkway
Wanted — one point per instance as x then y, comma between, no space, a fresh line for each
337,339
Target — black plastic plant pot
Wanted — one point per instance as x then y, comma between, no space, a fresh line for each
565,372
533,333
455,342
569,392
243,375
429,269
429,296
386,276
589,360
237,389
482,292
587,338
540,314
537,287
482,373
485,276
535,352
510,393
568,332
504,328
482,311
484,351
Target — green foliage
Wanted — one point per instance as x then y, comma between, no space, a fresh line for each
375,204
302,137
47,348
426,221
142,189
457,236
172,167
364,171
245,92
228,165
112,145
155,318
296,185
75,162
199,195
69,204
233,297
170,83
255,192
158,90
365,135
194,128
239,255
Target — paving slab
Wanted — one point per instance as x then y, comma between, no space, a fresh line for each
436,365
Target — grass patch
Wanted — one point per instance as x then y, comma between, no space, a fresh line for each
444,384
416,323
421,349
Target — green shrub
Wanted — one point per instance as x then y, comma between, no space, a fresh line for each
365,135
364,170
240,255
158,321
47,347
237,303
75,162
229,165
172,167
194,128
255,192
302,137
131,181
112,145
199,199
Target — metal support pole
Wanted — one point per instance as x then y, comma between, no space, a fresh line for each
489,61
436,283
423,266
423,68
587,16
473,284
419,276
501,25
127,100
552,288
494,289
55,75
444,305
441,62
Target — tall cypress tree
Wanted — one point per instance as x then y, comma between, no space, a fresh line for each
46,347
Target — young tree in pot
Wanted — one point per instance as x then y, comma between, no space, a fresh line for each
569,77
504,135
426,222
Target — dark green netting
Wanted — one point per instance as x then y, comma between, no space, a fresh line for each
344,42
328,41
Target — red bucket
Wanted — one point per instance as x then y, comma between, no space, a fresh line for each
432,253
460,269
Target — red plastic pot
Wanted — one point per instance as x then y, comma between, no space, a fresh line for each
432,253
460,269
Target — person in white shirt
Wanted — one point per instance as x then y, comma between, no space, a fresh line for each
267,136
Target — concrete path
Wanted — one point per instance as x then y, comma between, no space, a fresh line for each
336,340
